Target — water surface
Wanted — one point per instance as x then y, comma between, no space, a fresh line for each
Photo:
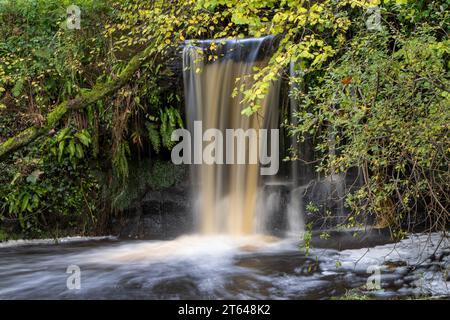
198,267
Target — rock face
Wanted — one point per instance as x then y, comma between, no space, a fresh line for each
320,202
168,213
351,238
164,208
163,214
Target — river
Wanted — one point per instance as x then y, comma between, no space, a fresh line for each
218,267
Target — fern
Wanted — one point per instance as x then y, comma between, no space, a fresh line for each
154,136
170,120
120,160
18,88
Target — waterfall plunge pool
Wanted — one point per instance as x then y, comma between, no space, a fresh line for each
219,267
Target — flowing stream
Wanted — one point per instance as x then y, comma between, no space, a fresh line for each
215,267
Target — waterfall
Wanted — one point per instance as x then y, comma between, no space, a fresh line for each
226,194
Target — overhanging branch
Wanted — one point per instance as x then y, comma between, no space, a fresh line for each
97,92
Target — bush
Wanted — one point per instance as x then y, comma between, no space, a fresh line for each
383,107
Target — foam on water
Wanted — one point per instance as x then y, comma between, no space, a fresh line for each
205,267
194,248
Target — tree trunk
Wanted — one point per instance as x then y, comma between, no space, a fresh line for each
98,92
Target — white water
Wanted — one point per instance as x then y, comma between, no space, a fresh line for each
205,267
200,249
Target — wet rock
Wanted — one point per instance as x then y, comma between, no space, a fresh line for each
153,224
352,239
434,268
398,282
411,278
281,199
349,277
404,291
389,278
275,205
161,215
401,271
438,257
395,264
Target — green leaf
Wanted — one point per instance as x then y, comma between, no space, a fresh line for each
79,151
18,87
62,134
35,201
154,136
84,137
61,150
72,148
24,202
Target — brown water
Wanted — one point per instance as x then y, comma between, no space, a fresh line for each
227,194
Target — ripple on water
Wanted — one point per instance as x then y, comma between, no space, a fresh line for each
196,267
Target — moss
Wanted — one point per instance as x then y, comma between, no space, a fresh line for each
359,294
165,175
19,140
57,113
143,175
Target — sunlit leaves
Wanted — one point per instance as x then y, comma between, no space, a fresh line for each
388,113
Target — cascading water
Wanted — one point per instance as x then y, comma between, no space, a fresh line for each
227,193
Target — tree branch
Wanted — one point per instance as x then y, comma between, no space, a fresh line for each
97,92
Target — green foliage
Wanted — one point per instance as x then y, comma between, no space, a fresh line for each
170,120
164,175
154,136
311,32
324,236
311,208
382,95
40,195
47,186
24,203
43,63
120,161
385,101
67,144
306,239
3,236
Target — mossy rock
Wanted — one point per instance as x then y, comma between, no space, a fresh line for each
165,175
